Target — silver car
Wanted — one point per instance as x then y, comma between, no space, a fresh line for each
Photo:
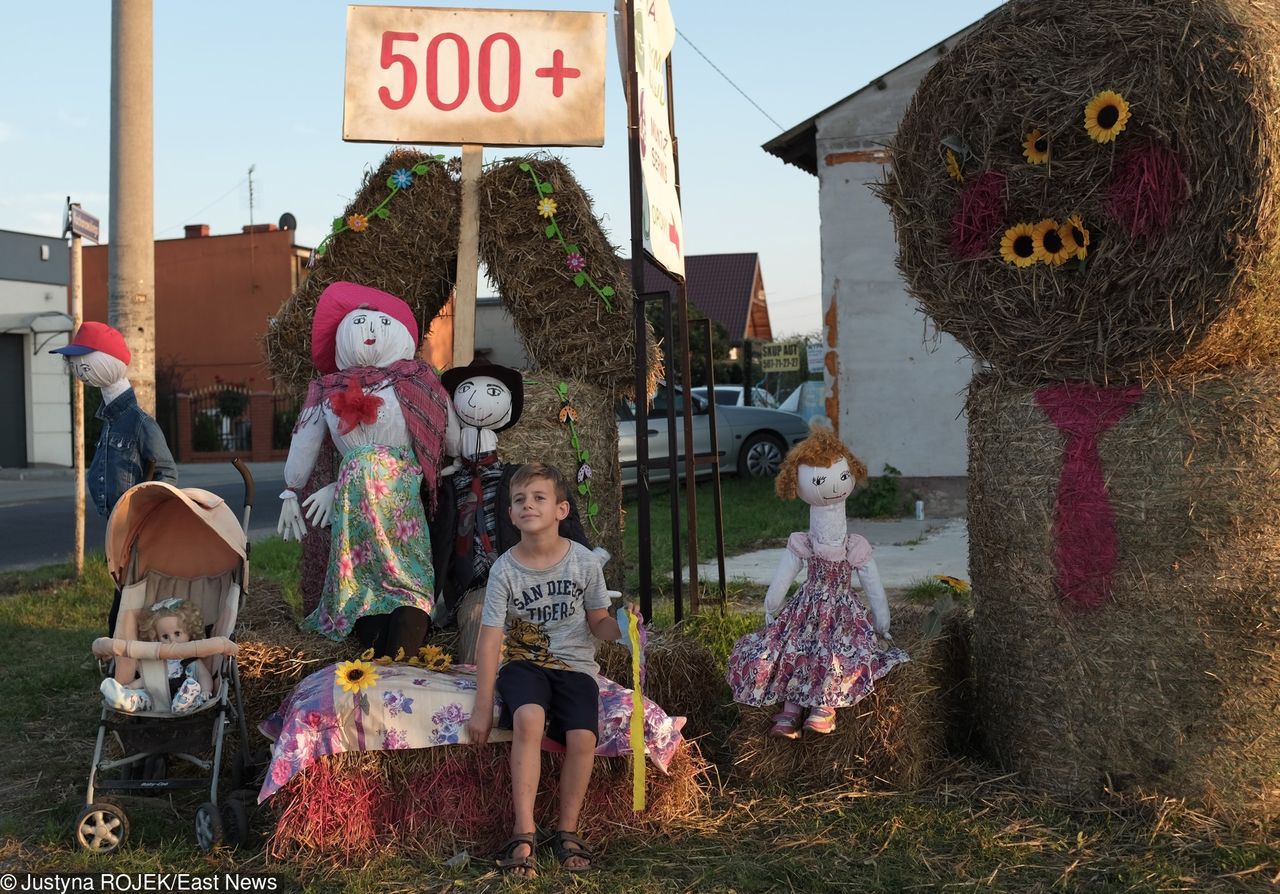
752,440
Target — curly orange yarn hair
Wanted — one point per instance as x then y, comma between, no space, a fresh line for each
821,448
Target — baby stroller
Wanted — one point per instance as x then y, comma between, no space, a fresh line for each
164,542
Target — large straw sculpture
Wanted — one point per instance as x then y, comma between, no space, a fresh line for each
1124,546
1182,207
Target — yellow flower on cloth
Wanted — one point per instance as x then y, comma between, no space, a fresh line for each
953,168
1036,147
1075,236
1049,244
955,583
1018,247
353,676
1105,116
433,658
546,206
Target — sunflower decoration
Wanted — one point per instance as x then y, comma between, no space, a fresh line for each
953,167
354,676
1105,116
383,660
1075,237
432,658
1050,247
1018,247
1036,147
960,587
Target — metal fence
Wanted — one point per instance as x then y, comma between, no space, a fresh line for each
284,413
220,419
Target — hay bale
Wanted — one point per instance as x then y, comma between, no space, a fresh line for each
412,254
681,675
1184,206
541,436
565,328
440,801
894,738
1173,685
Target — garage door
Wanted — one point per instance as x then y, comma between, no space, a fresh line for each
13,403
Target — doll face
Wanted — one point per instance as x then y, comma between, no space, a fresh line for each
825,485
482,402
95,368
169,630
371,338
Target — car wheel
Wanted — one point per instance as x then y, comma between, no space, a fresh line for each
760,456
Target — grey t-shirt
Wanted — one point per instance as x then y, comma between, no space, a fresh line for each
544,613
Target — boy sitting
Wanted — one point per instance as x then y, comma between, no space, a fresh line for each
548,594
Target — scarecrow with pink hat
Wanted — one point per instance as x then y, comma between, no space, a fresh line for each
387,414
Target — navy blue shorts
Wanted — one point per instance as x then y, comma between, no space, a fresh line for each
571,699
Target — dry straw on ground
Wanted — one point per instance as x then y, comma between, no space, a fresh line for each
411,254
1202,78
894,738
566,328
681,676
1173,686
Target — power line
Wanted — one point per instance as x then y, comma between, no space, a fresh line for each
730,80
206,207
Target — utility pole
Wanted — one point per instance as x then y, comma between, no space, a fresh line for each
131,290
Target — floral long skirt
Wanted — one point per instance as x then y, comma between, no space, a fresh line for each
380,555
821,650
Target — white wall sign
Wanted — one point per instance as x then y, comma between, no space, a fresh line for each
816,354
655,34
486,76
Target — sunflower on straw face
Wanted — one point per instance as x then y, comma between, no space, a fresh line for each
353,676
954,583
1036,147
1105,116
1049,245
953,167
1018,247
1075,237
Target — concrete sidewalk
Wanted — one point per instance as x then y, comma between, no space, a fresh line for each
906,550
57,483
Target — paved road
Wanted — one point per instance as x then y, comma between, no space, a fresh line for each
37,517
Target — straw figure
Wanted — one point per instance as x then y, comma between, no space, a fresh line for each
1089,201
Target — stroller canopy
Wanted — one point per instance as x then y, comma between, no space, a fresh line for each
179,532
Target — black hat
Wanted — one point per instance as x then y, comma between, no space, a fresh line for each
512,378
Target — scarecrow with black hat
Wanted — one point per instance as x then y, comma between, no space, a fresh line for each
472,523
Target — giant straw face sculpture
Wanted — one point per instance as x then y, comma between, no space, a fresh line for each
1089,200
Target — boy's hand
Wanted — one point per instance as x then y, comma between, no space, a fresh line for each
633,610
478,726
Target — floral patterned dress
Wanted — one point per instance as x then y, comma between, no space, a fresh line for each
821,650
380,555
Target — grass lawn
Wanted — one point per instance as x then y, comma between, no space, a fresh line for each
969,830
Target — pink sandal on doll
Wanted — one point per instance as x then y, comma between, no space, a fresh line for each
786,724
821,720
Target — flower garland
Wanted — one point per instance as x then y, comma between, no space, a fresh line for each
358,223
569,416
574,260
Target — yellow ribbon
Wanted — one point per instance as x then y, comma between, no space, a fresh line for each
637,718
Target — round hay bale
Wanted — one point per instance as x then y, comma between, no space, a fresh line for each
565,324
681,675
1172,685
441,801
411,254
894,738
1183,206
540,435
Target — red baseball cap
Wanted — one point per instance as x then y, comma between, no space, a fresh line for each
341,298
96,337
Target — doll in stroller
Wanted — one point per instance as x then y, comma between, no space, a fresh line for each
180,559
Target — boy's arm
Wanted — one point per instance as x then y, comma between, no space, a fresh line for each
603,625
488,646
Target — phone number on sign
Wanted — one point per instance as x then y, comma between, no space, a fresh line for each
64,883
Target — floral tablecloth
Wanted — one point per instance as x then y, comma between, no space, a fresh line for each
409,707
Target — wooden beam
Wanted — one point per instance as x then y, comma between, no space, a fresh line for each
865,156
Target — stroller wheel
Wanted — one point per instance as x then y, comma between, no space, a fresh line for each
101,827
235,820
208,827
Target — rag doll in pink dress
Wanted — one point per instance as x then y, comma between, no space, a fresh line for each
820,651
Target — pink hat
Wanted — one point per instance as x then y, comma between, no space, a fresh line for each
97,337
340,299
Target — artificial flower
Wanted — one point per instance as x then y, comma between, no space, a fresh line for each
358,223
568,413
1075,236
953,167
1018,247
547,206
402,179
356,675
1105,116
1036,147
1049,245
955,583
434,658
575,262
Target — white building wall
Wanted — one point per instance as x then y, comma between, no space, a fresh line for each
48,390
900,383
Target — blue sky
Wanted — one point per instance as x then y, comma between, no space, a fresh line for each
240,84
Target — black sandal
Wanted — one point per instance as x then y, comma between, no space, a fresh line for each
508,863
578,848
